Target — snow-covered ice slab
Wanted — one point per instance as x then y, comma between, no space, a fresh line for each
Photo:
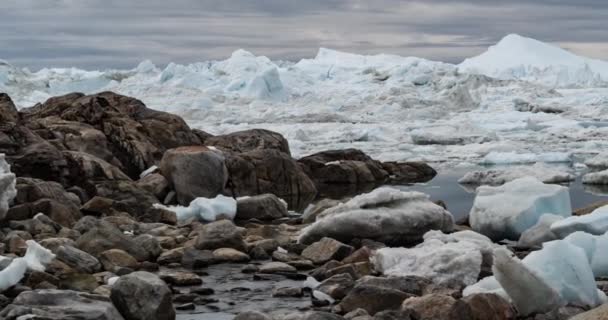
36,258
496,177
600,177
385,214
521,158
7,186
505,212
449,260
205,209
595,223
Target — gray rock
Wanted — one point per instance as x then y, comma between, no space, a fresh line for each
143,296
78,259
220,234
325,250
106,237
196,259
252,315
261,207
372,299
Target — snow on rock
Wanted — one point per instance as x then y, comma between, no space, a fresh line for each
497,157
7,186
595,223
517,57
540,233
205,209
599,162
557,275
385,214
506,211
449,260
600,177
36,258
496,177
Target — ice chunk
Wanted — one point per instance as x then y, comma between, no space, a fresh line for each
496,177
148,171
594,223
600,177
599,162
7,186
495,157
385,214
505,212
595,248
540,232
36,258
449,260
205,209
529,292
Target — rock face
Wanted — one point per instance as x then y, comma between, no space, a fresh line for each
194,172
386,215
262,207
60,304
143,296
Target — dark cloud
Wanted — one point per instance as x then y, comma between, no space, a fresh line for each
118,34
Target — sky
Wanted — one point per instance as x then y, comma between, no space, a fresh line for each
99,34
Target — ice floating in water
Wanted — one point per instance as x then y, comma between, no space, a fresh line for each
515,158
599,162
496,177
600,177
36,258
7,186
205,209
595,223
449,260
505,212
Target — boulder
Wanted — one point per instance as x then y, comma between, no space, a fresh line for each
104,237
261,207
220,234
326,249
78,259
143,296
58,304
116,258
387,215
431,306
250,140
194,171
483,306
372,299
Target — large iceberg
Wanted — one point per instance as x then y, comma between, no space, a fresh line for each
496,177
7,186
505,212
595,223
204,209
385,214
450,260
36,258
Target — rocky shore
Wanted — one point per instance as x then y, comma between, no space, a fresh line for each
112,210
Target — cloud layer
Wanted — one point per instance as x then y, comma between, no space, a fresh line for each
118,34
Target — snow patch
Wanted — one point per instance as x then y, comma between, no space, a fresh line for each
204,209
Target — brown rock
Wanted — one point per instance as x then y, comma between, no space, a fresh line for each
325,250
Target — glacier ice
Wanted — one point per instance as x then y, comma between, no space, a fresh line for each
449,260
385,214
496,177
600,177
506,211
36,258
204,209
595,223
7,186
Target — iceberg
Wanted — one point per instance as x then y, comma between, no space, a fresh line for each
451,260
599,162
595,223
36,258
600,177
505,212
497,177
495,157
7,186
385,214
204,209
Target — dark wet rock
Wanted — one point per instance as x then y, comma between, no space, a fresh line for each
178,278
372,299
65,214
431,307
270,171
409,284
261,207
287,292
173,256
78,282
148,245
325,250
187,167
36,279
196,259
321,315
57,304
252,315
143,296
155,184
337,286
8,111
126,196
78,259
220,234
250,140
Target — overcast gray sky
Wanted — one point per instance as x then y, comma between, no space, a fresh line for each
120,33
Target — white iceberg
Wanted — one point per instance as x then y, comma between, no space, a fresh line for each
450,260
36,258
496,177
7,186
595,223
595,248
496,157
600,177
204,209
385,214
505,212
599,162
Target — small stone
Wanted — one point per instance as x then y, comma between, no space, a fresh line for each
230,255
275,267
